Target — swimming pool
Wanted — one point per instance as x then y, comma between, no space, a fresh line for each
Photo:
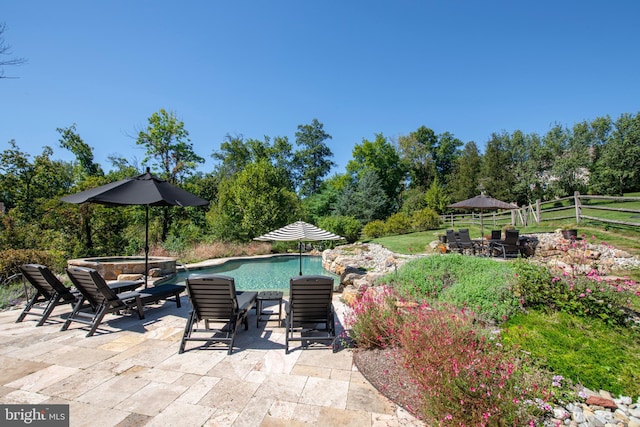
259,274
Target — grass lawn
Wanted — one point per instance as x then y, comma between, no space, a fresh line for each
585,350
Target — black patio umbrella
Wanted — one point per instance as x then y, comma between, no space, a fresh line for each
482,203
299,231
146,189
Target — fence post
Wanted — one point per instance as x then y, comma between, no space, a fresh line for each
538,219
576,201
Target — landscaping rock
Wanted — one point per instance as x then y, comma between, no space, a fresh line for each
601,401
581,255
362,263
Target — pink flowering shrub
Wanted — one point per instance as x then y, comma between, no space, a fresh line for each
586,295
466,377
374,317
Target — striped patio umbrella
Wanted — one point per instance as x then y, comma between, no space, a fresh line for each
299,231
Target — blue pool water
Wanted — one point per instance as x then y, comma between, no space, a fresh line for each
271,273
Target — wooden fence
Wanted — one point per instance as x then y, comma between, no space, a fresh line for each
536,214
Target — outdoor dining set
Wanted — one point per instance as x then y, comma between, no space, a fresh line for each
512,245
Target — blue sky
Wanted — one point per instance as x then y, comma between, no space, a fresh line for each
360,67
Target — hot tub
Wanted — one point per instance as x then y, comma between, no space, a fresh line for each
111,267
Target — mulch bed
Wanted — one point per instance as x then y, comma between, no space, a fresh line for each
383,369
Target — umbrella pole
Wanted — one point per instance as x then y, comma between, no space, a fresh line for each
146,246
300,249
482,232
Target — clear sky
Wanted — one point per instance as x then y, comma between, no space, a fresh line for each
263,67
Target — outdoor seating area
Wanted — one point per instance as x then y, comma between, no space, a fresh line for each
131,372
511,246
310,316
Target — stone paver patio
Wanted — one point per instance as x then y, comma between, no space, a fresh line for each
130,374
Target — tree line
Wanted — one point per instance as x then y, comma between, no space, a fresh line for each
257,185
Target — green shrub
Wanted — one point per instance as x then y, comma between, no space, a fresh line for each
373,229
398,223
11,259
345,226
425,219
582,295
482,285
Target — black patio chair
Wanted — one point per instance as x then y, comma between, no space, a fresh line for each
508,247
98,298
310,311
50,292
215,301
452,241
465,242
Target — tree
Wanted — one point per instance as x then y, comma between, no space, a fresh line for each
428,155
466,171
323,203
381,157
527,165
16,172
71,140
236,153
312,162
617,168
417,150
30,189
496,177
168,147
570,160
413,200
253,202
446,154
365,199
437,197
5,50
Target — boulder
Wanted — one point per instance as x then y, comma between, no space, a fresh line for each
601,401
155,272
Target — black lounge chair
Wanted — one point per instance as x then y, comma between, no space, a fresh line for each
465,242
98,298
310,306
452,241
507,247
214,299
50,292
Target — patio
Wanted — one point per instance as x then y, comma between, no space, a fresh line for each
130,374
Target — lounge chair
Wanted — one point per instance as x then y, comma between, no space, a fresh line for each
310,311
465,242
98,298
50,292
214,300
452,241
507,247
